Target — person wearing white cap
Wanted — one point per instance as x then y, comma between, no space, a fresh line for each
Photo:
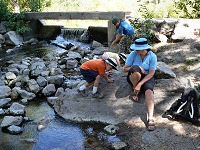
92,70
141,66
120,58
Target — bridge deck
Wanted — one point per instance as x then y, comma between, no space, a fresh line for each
77,15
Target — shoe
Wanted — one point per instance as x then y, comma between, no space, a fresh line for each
82,93
98,95
150,125
134,97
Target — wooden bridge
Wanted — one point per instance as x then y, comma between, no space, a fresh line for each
38,16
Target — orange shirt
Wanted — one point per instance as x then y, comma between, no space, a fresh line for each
97,65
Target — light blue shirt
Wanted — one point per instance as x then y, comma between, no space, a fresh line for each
149,62
125,28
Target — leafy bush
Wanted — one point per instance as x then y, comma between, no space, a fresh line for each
143,28
3,10
14,21
190,8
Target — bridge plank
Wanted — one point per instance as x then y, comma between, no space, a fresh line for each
76,15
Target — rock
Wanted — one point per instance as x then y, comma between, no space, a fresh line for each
119,145
13,129
11,120
13,38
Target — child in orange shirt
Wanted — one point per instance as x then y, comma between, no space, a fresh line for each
92,70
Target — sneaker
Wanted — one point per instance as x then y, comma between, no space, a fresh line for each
82,93
98,95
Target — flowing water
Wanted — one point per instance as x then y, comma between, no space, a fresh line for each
58,134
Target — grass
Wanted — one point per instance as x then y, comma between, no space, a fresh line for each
103,5
191,61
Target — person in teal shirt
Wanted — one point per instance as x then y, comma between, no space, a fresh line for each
141,66
125,35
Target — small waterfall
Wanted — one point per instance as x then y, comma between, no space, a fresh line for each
72,33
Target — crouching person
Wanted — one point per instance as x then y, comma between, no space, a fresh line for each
92,71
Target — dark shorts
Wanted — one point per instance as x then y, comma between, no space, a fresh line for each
89,75
147,85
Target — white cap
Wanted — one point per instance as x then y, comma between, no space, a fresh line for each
122,56
112,62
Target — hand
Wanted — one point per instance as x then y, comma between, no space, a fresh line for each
137,88
143,71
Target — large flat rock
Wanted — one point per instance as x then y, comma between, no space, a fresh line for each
116,106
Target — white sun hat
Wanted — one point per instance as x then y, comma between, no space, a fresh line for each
112,62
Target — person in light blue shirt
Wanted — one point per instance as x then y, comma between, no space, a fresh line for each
125,35
141,66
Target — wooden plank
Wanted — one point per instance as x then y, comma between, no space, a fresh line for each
76,15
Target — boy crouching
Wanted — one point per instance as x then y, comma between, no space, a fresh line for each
92,70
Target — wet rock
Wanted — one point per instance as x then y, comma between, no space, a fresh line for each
52,100
4,102
49,90
56,80
33,86
13,129
5,91
2,112
11,120
111,129
27,95
42,82
40,127
17,109
119,145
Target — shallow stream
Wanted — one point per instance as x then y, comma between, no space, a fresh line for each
58,133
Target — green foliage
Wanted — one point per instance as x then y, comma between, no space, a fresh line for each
3,10
145,12
143,28
190,8
14,21
28,5
38,5
191,61
185,68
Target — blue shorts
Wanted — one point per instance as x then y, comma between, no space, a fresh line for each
147,85
89,75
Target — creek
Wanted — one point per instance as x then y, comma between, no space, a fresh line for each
58,133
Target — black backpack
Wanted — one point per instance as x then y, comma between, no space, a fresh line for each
186,107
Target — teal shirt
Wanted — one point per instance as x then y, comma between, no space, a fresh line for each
149,62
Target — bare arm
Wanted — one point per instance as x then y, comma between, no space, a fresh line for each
145,79
126,68
117,39
105,76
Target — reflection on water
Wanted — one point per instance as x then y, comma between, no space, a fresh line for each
58,133
27,51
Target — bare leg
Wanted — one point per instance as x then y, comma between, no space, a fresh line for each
150,109
135,78
97,80
88,84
